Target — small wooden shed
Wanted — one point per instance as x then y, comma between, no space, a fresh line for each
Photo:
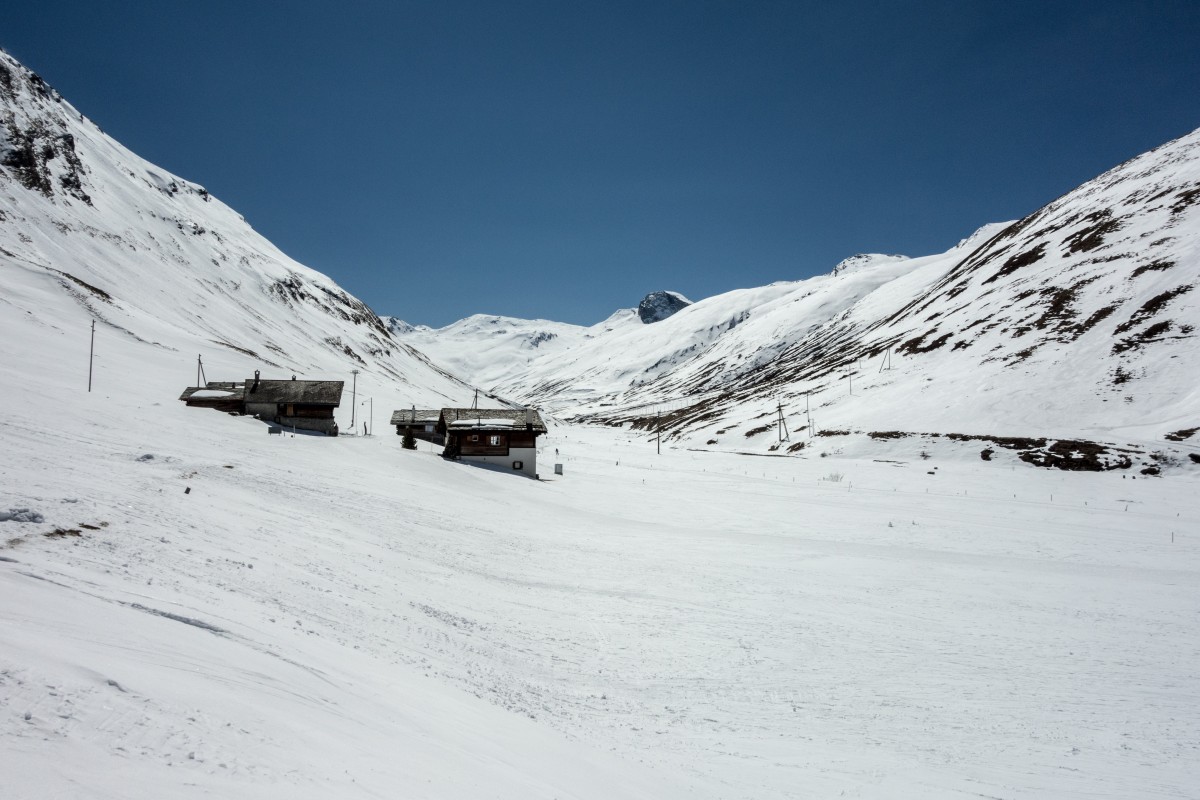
422,421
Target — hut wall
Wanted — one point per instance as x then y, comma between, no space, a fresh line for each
264,410
325,426
527,456
313,412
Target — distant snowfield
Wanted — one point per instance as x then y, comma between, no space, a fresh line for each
339,617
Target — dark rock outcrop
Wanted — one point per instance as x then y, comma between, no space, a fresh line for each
657,306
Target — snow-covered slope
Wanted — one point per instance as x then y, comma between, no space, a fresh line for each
490,347
1073,324
155,258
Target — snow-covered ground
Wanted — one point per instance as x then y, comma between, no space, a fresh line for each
340,617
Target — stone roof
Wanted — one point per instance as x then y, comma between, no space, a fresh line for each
420,416
319,393
514,416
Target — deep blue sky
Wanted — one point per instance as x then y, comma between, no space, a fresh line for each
561,159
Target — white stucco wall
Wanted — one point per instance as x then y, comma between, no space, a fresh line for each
526,455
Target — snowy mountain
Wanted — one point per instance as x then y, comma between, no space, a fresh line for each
150,256
1071,325
491,347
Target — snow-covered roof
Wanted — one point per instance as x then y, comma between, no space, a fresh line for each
508,418
213,390
485,422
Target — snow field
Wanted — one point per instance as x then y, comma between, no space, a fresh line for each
690,624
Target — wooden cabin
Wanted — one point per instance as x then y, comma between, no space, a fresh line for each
422,421
499,437
302,405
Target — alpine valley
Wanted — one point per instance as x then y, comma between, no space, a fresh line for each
917,527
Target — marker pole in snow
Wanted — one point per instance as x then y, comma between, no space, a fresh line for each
658,432
91,354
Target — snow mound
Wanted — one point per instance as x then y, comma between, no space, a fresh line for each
21,515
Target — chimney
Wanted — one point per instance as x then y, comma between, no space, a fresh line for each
254,388
528,419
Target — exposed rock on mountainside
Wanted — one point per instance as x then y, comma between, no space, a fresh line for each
657,306
865,261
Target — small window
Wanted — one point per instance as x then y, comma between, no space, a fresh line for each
474,437
494,441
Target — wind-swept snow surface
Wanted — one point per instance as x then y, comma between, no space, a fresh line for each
302,617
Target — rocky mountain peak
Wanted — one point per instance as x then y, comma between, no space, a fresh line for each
657,306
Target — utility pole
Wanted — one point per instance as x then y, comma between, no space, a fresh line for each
808,413
201,380
353,399
783,431
658,432
91,355
475,402
850,376
886,361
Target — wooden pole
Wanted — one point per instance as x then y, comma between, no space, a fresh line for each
91,354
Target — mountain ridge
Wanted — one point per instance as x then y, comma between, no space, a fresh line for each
1066,324
153,256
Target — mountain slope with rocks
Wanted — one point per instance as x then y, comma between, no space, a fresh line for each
156,258
1074,324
